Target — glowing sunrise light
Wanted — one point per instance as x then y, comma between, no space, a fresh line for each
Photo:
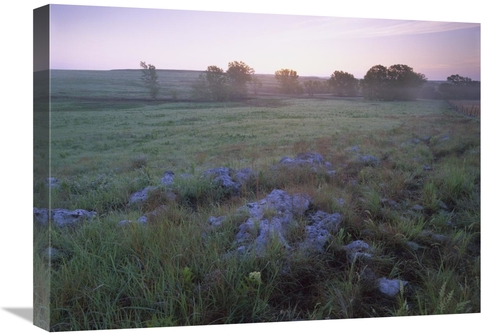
103,38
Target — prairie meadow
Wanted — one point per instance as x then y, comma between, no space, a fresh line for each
418,207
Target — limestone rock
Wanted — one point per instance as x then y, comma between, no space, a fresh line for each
53,182
52,254
230,180
62,217
417,207
139,196
168,178
368,160
270,218
390,287
125,222
313,161
320,231
244,176
216,221
358,249
41,216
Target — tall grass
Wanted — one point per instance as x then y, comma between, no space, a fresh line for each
417,207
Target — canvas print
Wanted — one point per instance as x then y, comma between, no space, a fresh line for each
199,168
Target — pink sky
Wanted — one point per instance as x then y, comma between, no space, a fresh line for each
103,38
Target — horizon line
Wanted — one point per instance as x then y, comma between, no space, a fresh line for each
269,74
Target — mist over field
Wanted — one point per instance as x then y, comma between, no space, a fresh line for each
201,204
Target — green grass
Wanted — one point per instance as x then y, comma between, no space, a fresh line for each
177,270
177,135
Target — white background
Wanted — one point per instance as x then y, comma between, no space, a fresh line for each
16,162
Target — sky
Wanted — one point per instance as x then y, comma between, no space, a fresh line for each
104,38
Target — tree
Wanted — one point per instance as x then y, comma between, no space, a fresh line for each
458,80
239,74
150,79
404,82
288,81
217,83
343,84
404,75
398,82
256,84
200,90
458,87
312,86
374,82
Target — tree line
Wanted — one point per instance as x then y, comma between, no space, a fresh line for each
458,87
396,82
217,85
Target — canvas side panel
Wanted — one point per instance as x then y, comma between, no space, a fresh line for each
41,166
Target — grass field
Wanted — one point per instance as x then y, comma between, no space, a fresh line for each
468,107
109,140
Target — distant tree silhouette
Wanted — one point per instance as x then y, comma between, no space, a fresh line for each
200,89
398,82
217,85
288,81
239,74
256,84
343,84
150,79
458,87
459,80
312,86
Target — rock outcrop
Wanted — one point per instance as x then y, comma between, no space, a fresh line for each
390,287
368,160
361,251
53,182
223,178
229,179
168,178
62,217
313,161
140,196
323,226
270,220
358,249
